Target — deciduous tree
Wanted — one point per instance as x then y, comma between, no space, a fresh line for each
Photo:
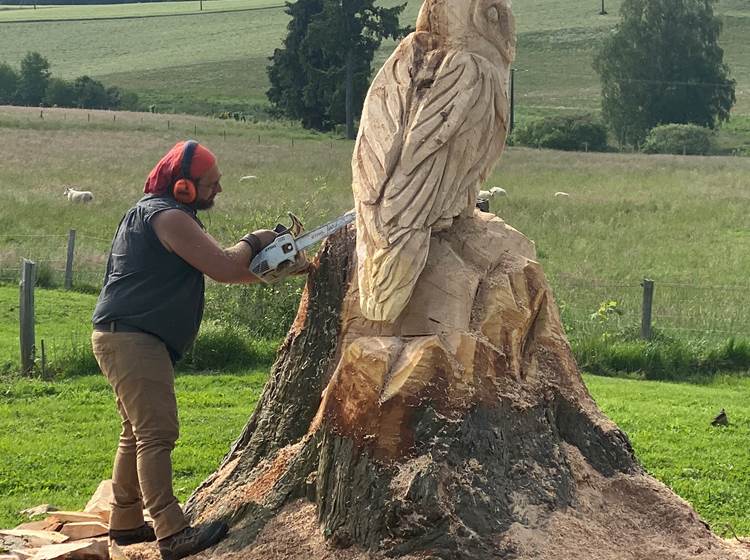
34,78
8,84
321,74
663,64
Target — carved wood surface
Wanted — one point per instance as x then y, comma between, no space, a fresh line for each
445,435
433,124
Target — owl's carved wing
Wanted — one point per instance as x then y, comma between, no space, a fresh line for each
431,129
424,159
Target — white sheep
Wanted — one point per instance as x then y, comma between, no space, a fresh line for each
560,194
247,178
78,196
490,194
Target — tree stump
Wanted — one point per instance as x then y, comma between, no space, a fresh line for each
463,430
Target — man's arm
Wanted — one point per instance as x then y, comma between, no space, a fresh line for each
180,234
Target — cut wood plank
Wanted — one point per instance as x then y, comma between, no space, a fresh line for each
97,550
84,530
48,524
101,499
90,549
76,516
9,557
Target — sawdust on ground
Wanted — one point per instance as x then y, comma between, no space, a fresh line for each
293,534
623,517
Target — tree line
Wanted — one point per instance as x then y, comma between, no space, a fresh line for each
661,65
33,85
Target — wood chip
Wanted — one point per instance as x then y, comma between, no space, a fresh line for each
24,554
115,552
41,509
84,530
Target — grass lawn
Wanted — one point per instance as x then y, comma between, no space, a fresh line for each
63,320
669,426
682,221
57,439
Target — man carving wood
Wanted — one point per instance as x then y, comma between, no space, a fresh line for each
147,315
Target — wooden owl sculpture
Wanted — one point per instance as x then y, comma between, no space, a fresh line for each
433,125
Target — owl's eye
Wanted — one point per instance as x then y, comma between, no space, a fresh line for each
493,14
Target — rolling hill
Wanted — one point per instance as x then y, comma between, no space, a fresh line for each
184,60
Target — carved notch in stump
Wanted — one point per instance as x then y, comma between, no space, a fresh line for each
464,430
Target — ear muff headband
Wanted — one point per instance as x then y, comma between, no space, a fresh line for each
184,189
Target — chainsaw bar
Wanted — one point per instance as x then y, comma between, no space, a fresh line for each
313,236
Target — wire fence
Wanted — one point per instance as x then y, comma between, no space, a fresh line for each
79,262
679,309
589,307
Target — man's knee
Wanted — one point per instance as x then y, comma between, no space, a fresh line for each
157,438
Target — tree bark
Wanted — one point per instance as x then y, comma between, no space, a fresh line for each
463,430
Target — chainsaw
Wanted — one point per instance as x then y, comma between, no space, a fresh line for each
285,254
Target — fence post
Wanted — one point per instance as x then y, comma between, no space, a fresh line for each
648,300
69,260
26,315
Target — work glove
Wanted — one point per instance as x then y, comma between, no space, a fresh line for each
266,236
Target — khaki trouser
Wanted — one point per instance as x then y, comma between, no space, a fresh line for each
138,368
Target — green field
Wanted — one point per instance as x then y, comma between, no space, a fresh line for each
223,65
57,439
44,13
681,221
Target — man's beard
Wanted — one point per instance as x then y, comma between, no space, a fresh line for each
203,204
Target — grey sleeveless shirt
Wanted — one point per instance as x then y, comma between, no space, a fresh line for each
148,287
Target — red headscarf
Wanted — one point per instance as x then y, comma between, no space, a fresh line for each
167,171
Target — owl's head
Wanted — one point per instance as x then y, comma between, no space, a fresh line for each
472,23
494,20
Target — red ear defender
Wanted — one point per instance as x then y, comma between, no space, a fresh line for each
184,190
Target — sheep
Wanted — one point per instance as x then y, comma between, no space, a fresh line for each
490,194
484,197
560,194
247,178
78,196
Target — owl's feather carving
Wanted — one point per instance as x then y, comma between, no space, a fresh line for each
433,125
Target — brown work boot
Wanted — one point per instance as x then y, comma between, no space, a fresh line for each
124,537
192,540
